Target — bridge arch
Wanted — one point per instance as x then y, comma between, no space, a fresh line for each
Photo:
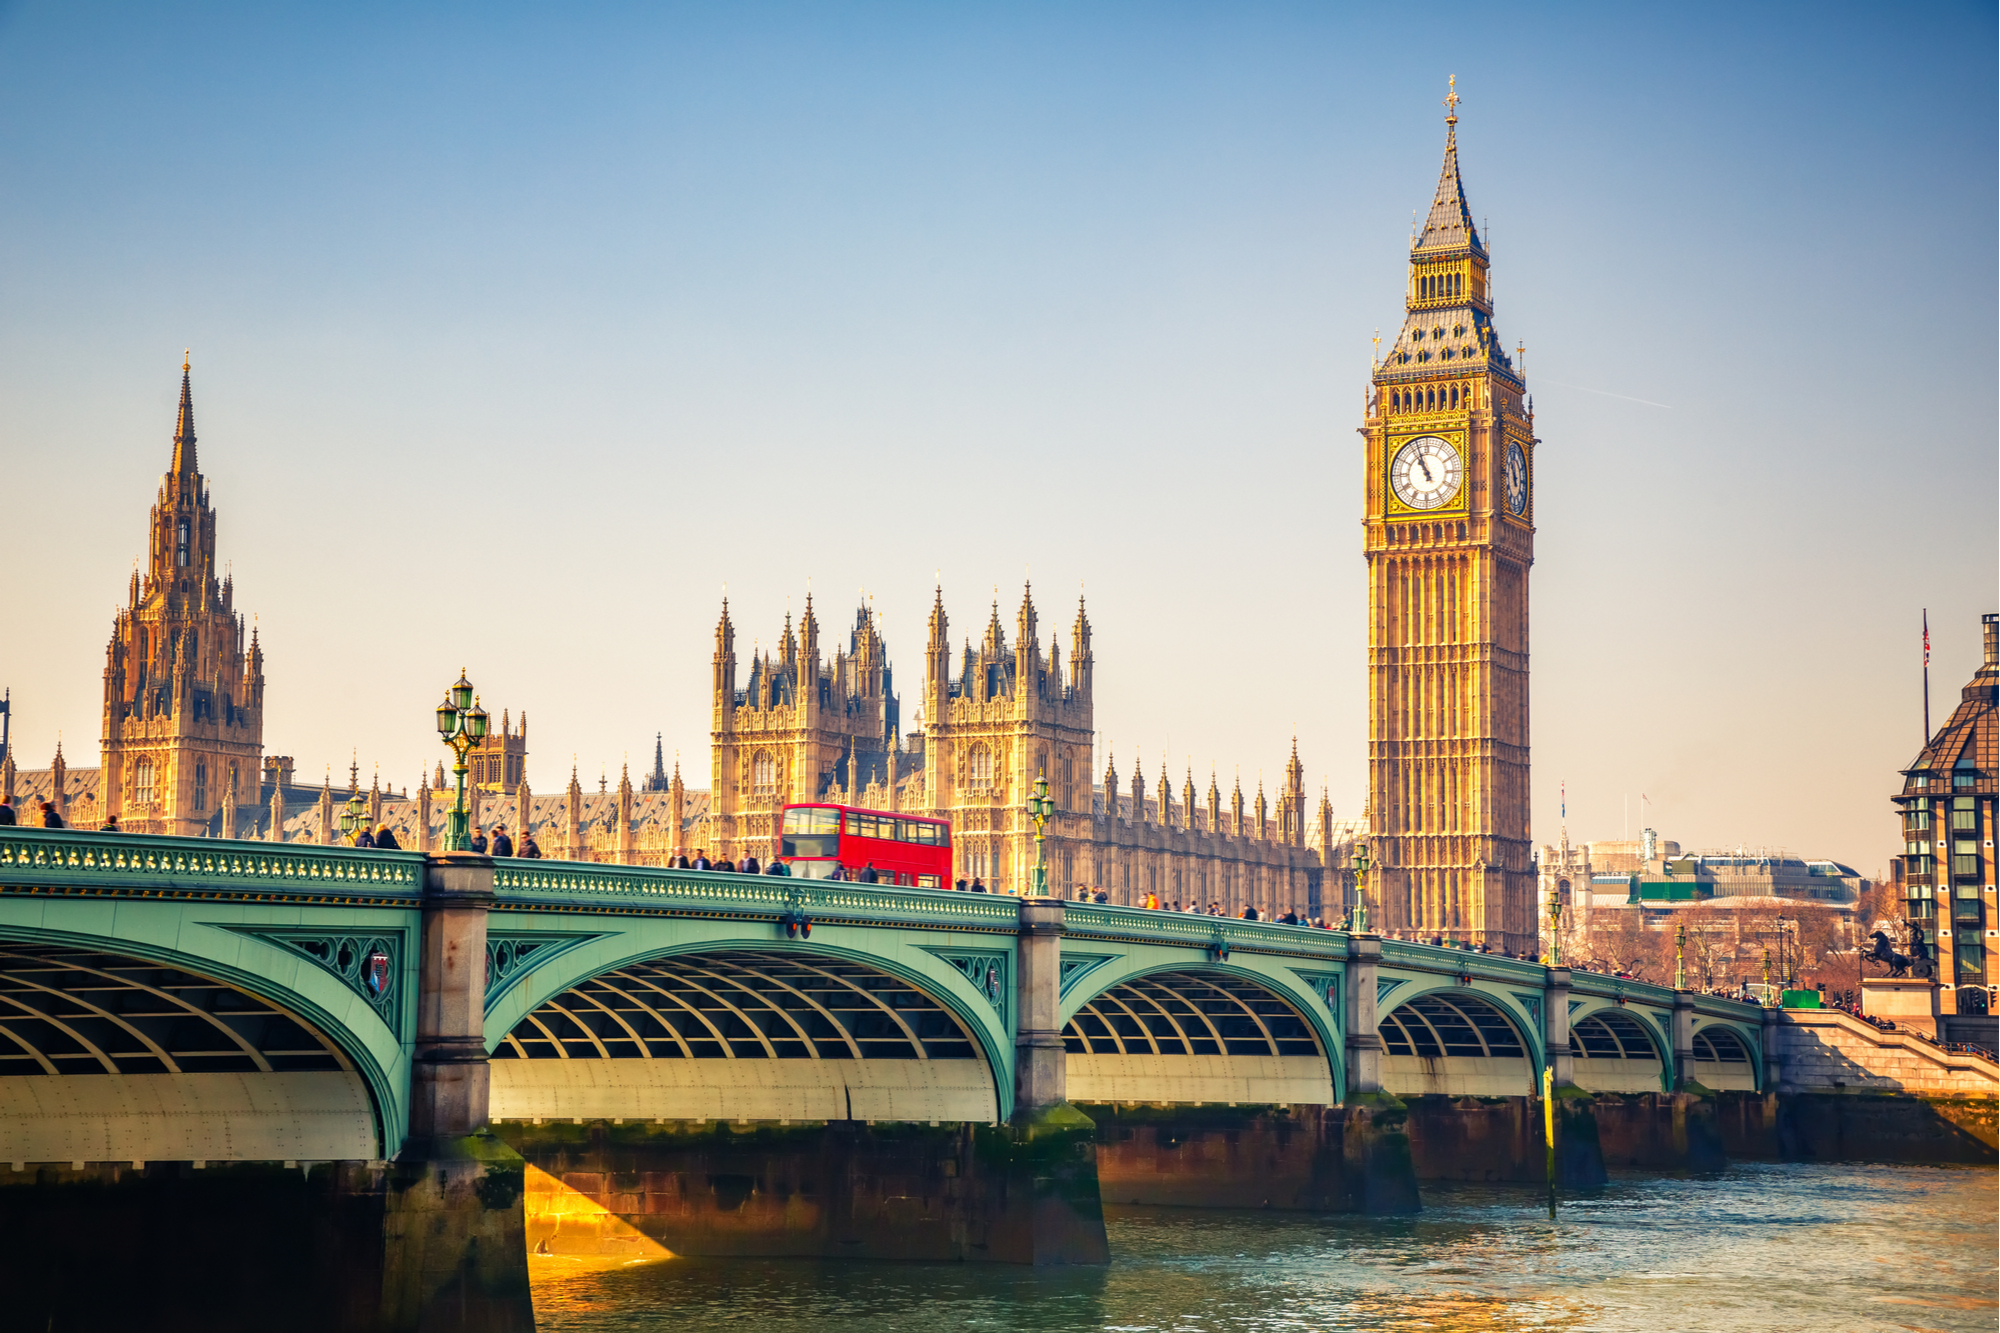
112,1050
1615,1052
1197,1032
1458,1041
752,1030
1725,1058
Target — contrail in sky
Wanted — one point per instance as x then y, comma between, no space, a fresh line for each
1607,393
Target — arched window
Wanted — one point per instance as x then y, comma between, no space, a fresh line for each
200,786
763,773
979,767
181,544
145,789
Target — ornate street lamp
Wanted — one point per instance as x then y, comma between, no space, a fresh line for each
354,818
1680,956
1556,905
1360,865
1041,809
461,725
1767,978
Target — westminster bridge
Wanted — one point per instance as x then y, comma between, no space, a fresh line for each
381,1079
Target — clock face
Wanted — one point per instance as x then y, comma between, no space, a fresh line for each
1426,472
1517,481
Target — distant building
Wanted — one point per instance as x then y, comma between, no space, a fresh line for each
1730,899
183,725
1946,809
1449,535
499,763
996,716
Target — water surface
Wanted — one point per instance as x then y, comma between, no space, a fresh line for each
1760,1247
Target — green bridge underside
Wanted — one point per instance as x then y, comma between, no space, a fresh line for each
649,967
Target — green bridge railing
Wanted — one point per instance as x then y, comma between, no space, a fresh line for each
57,861
63,860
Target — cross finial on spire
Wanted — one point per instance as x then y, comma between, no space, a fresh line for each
1451,101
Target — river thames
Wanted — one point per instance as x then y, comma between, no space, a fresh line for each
1760,1247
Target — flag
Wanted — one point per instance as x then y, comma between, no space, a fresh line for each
1927,636
1565,801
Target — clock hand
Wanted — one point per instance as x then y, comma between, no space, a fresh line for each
1426,467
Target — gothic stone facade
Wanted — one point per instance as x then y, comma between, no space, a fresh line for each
183,727
1449,451
995,717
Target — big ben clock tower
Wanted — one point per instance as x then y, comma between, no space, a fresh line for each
1450,458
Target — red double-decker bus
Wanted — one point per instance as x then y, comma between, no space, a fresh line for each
904,849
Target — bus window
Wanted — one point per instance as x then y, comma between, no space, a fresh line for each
814,869
812,821
930,881
810,832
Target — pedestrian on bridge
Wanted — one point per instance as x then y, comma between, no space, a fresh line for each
50,819
502,844
701,861
750,866
385,839
777,867
6,814
532,851
110,824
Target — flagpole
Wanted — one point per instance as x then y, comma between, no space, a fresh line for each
1927,677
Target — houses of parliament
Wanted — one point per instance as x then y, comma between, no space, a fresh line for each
1448,455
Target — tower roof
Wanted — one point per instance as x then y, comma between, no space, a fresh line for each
184,458
1449,226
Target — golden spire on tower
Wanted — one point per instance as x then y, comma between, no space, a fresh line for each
1451,101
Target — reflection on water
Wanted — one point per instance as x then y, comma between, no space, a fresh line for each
1761,1247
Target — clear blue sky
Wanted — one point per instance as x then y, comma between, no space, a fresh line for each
519,332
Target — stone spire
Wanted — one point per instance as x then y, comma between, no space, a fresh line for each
184,456
625,814
996,636
676,810
657,780
573,812
1079,652
1449,226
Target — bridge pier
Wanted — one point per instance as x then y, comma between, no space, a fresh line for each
1047,1155
453,1225
1579,1151
1375,1137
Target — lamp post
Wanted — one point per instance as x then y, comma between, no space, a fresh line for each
354,818
1680,956
1041,809
461,724
1767,978
1360,866
1556,905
